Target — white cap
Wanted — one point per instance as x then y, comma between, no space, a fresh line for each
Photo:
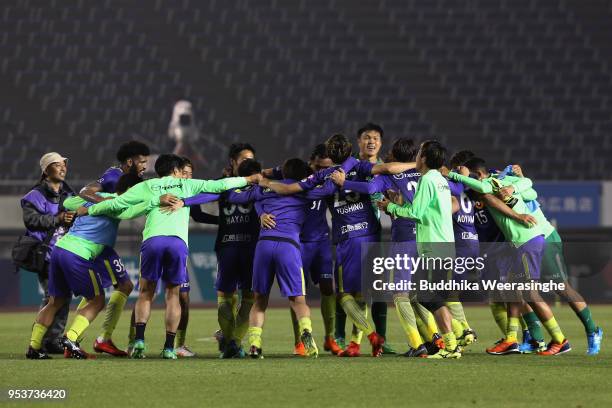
50,158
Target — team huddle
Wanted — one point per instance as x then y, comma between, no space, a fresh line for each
272,225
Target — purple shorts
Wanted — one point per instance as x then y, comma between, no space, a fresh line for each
164,257
110,268
186,286
317,260
498,260
528,260
70,274
349,256
400,248
235,268
283,260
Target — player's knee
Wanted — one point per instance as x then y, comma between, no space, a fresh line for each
55,303
125,287
97,302
184,299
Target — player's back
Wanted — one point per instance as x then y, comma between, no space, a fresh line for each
238,223
464,219
317,228
98,229
403,229
288,210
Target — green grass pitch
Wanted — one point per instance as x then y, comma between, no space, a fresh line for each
477,380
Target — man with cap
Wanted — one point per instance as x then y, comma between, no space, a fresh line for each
45,218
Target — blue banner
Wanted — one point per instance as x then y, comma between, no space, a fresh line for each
571,204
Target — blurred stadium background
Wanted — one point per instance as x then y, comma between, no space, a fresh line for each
517,81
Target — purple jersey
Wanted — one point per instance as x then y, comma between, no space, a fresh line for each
238,223
402,229
463,220
316,229
352,212
288,210
485,225
109,179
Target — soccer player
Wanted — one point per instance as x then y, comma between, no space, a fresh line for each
182,350
132,157
278,255
466,247
107,264
353,223
233,273
315,249
164,248
235,248
431,210
73,271
369,141
527,249
403,233
555,269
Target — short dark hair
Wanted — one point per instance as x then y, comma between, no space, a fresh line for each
403,150
434,153
460,157
338,148
126,181
249,167
476,163
166,163
236,148
187,162
319,151
368,127
131,149
295,169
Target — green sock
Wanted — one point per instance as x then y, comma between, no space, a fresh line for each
340,330
379,316
587,320
534,325
38,332
79,325
554,330
225,315
456,309
356,313
450,341
427,318
235,304
408,321
113,313
242,318
328,312
498,310
457,328
254,336
305,324
512,329
296,327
